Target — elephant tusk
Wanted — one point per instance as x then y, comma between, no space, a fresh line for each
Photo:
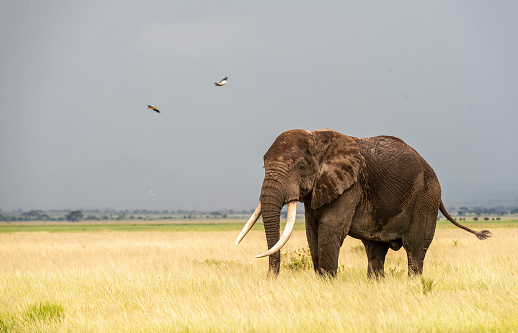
290,223
249,224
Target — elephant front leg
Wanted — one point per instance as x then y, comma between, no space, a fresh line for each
312,236
329,226
376,252
329,243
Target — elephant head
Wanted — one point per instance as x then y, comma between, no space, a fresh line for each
314,167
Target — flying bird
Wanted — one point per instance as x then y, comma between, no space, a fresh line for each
151,193
154,108
221,83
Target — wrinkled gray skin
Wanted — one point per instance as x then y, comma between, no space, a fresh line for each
378,190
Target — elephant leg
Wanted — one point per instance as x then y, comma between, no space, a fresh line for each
312,236
416,251
376,252
415,263
422,227
417,241
333,223
329,243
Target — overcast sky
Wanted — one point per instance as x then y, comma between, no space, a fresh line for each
76,77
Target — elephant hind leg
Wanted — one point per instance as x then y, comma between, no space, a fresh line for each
416,244
376,252
416,249
422,226
415,263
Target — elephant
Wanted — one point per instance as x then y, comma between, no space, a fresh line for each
377,189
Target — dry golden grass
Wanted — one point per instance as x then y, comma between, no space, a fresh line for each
199,281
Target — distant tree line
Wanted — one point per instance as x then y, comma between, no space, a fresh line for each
145,214
110,214
478,211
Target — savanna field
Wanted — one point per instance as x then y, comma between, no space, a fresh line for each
171,277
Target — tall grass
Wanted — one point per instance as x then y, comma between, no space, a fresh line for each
199,281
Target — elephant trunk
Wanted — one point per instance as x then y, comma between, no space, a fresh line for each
290,223
272,199
271,221
271,204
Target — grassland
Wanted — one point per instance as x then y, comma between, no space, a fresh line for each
172,280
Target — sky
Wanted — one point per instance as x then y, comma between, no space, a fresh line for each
76,78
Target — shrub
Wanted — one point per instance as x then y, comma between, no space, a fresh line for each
427,284
297,260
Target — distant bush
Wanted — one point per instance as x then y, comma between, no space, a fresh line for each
74,216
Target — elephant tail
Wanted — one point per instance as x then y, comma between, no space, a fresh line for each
484,234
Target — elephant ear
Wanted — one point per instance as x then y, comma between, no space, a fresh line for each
339,166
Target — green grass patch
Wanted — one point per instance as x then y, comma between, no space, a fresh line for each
6,323
45,311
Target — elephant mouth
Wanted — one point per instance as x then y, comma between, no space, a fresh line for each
290,223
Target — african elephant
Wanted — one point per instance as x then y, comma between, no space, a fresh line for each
378,190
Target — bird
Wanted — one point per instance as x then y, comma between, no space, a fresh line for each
221,83
154,108
151,193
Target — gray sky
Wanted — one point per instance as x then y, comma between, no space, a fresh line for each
76,76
